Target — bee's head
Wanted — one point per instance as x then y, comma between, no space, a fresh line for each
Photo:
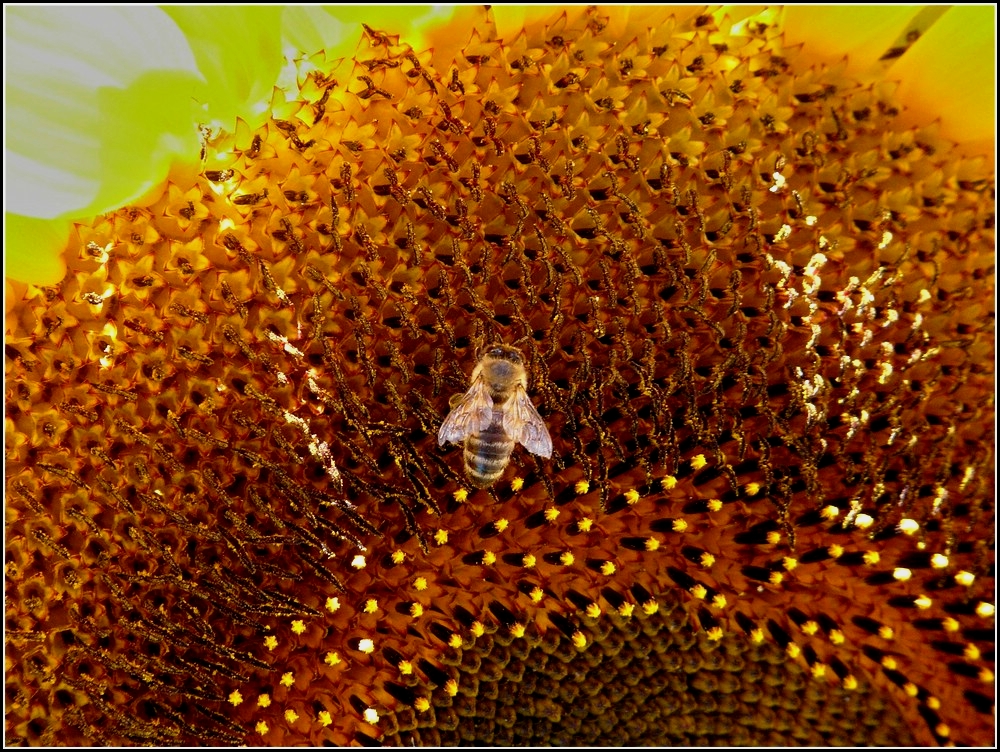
505,352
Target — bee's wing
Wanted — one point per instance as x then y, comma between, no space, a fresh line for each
471,414
523,424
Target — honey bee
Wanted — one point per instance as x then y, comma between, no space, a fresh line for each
494,415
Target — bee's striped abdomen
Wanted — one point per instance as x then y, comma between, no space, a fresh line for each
487,454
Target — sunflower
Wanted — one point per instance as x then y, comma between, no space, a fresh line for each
755,302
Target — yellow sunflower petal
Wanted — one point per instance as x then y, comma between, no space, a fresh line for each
511,19
98,106
338,31
940,56
950,73
861,34
413,21
80,83
238,50
33,250
308,29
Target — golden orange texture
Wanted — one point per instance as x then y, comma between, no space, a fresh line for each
759,320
